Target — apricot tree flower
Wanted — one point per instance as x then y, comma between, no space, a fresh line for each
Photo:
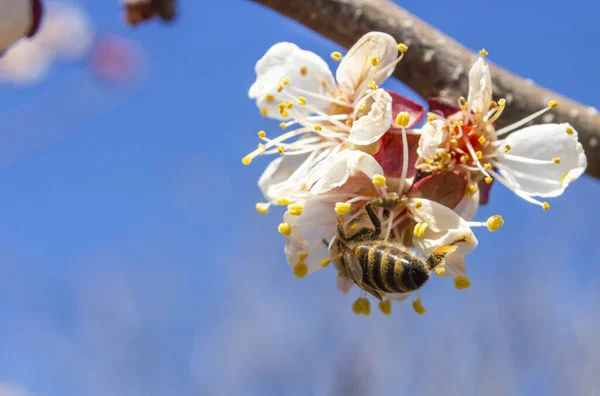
18,19
298,88
535,161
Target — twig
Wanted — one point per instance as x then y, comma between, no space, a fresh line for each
436,65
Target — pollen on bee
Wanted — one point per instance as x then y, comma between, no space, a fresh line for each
375,61
418,307
270,98
301,269
494,223
262,134
336,56
553,104
402,119
295,209
461,282
556,160
284,228
379,180
385,307
342,208
402,48
262,208
325,262
440,270
303,70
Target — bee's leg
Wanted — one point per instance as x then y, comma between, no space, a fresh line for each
391,202
437,255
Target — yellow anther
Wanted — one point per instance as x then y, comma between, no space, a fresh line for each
418,306
284,113
553,104
375,61
283,125
487,166
402,47
302,101
494,223
385,307
303,70
402,119
418,204
262,208
419,230
507,148
262,134
453,141
282,106
283,201
290,105
318,127
431,117
440,270
482,139
342,208
270,98
349,122
357,307
479,154
301,269
325,262
488,180
264,111
366,307
546,206
464,158
379,180
501,102
279,88
284,228
285,81
556,160
459,124
483,52
429,161
362,108
461,282
302,256
336,56
246,160
471,189
570,131
372,86
295,209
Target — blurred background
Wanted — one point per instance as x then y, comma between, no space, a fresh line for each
133,262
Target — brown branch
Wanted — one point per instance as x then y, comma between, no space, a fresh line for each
436,65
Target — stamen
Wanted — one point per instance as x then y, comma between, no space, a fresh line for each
284,228
418,204
283,201
325,262
431,117
471,189
302,101
385,307
372,86
402,119
461,282
483,52
419,230
546,205
379,180
375,61
341,208
418,306
336,56
262,134
522,122
487,166
482,139
553,104
494,223
569,131
264,111
507,148
281,149
402,48
474,155
515,190
295,209
526,160
270,98
301,269
440,270
303,70
556,160
404,160
488,180
286,81
263,208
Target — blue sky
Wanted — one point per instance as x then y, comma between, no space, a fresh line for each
133,261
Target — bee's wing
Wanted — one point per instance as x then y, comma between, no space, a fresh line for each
352,265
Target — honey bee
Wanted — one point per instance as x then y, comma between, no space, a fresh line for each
376,265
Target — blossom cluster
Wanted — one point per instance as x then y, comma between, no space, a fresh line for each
347,142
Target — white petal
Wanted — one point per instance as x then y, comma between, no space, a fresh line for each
456,264
480,87
26,62
344,284
467,207
286,60
317,221
370,128
16,18
277,172
432,135
356,70
337,169
543,142
444,227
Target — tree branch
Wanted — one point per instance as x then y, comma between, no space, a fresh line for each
436,65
